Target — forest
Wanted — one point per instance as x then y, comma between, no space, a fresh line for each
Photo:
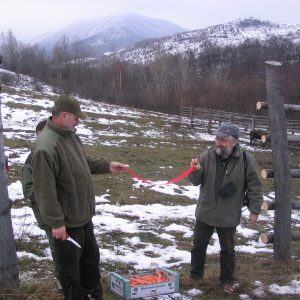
230,78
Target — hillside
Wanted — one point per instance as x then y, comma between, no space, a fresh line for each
138,227
231,33
211,76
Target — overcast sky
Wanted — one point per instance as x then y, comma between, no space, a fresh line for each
29,18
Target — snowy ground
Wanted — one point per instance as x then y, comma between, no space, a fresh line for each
115,125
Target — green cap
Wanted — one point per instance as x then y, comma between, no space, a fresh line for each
68,104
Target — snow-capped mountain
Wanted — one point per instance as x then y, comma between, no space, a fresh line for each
234,32
113,33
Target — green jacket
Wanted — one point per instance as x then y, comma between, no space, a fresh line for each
214,210
28,192
62,178
27,183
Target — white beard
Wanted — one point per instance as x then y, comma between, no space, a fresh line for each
225,152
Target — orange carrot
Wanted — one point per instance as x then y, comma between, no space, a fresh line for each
148,279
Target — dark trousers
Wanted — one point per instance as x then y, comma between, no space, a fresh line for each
79,268
51,239
53,252
202,235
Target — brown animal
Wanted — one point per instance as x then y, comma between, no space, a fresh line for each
256,134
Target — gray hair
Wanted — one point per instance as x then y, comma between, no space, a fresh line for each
56,113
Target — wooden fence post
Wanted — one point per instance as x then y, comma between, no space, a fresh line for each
253,123
195,118
191,116
280,154
209,122
9,273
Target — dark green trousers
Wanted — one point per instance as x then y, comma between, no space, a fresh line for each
202,235
79,267
48,231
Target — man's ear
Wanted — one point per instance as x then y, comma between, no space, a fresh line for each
64,114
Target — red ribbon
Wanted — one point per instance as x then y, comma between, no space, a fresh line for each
178,178
136,175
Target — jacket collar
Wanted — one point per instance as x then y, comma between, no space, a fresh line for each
59,130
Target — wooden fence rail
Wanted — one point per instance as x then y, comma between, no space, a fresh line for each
208,120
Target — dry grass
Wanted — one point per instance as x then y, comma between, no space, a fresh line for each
145,156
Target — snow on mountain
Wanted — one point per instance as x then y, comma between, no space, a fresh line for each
234,32
113,33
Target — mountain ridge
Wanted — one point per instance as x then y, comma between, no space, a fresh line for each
234,32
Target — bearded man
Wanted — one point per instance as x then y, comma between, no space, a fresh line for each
225,173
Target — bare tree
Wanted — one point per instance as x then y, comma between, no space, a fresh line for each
10,48
117,81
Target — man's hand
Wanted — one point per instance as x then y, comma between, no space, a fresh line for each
60,233
116,167
253,218
196,163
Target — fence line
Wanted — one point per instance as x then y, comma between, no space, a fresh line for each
208,120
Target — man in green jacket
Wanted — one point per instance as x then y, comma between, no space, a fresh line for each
27,185
65,196
224,173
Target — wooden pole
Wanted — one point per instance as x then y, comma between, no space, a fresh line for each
191,116
287,107
291,139
267,205
296,204
9,273
253,123
209,122
268,238
270,205
261,105
270,173
280,154
265,139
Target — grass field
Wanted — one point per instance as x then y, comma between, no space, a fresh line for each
157,147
